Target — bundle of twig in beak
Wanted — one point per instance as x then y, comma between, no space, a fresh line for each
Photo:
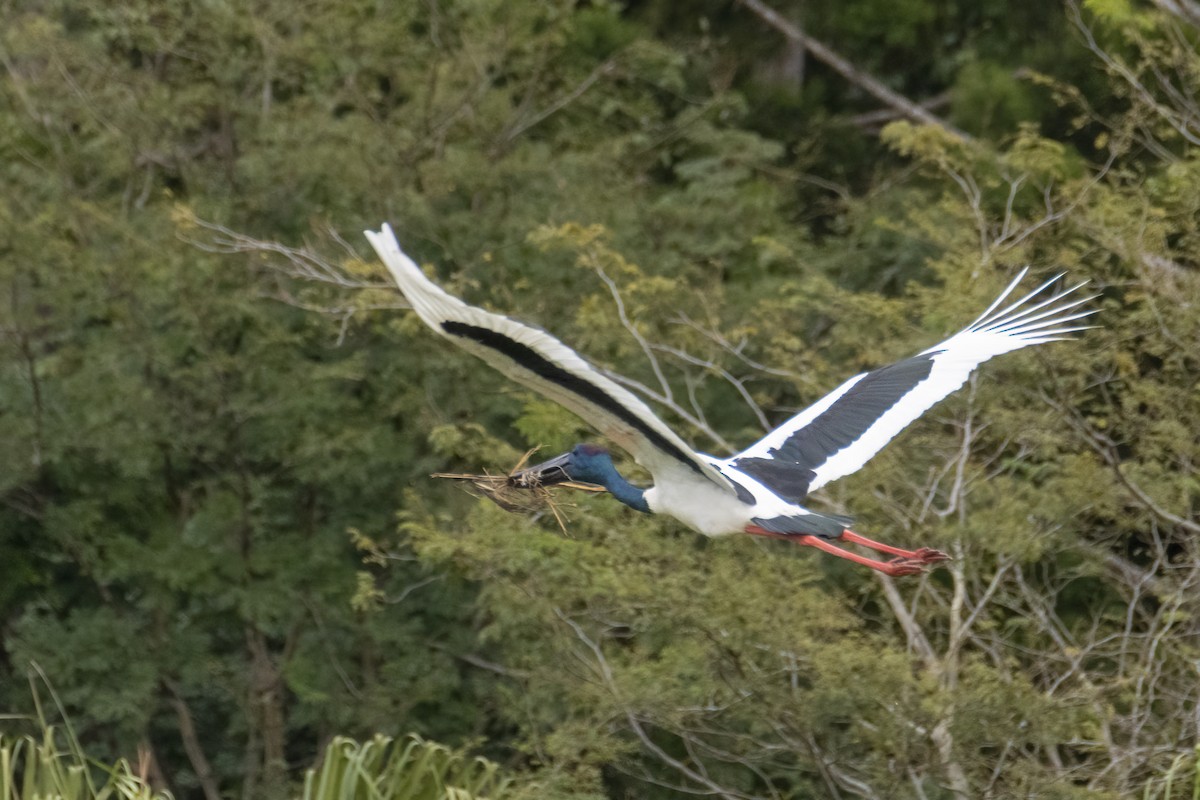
527,498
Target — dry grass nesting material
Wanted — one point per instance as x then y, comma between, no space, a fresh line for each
531,498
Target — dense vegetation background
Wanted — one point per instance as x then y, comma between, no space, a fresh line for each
218,538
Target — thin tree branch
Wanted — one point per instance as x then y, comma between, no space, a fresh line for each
840,65
302,263
1185,10
882,116
517,127
482,663
737,383
606,675
191,743
664,385
1106,449
687,416
1185,127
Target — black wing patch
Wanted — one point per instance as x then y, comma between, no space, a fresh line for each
531,360
743,493
790,469
786,479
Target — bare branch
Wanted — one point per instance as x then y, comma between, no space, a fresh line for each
687,416
606,674
739,384
664,385
736,351
1186,125
882,116
1011,238
482,663
843,67
518,127
1185,10
1106,448
191,743
302,263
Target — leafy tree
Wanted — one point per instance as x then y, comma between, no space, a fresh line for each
206,464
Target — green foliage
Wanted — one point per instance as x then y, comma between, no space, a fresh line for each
55,767
41,769
1180,782
217,530
408,769
990,100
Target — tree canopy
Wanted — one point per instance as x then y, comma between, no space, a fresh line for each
219,540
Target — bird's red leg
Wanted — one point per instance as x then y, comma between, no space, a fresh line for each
925,554
895,568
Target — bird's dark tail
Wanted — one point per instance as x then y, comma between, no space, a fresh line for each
827,526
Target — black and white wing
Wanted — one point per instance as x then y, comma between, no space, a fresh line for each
842,431
540,362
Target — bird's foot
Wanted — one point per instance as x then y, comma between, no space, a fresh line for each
914,564
927,555
899,567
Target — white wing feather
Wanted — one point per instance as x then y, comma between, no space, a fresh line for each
561,374
993,333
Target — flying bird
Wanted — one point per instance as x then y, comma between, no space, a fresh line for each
759,491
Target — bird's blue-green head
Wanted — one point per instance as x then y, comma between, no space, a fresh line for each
585,463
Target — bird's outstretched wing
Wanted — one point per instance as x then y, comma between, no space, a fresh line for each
537,360
841,432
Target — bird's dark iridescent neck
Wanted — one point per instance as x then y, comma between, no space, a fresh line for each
625,491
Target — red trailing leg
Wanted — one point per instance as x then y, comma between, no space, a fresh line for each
925,554
910,564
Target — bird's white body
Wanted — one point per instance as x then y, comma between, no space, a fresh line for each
697,505
760,489
705,507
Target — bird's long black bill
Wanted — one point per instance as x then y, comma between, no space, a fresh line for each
547,473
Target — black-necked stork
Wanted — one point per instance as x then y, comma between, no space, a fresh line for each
759,490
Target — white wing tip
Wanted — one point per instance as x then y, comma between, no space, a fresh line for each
1023,319
404,270
382,237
